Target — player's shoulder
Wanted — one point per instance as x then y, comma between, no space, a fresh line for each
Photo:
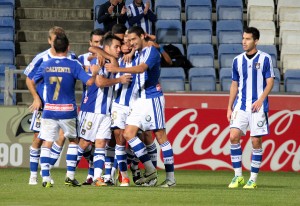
264,54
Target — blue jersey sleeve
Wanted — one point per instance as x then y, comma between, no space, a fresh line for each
152,58
235,72
80,73
38,76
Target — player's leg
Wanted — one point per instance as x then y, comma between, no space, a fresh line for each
151,146
140,151
238,127
35,148
56,148
236,158
256,160
48,133
168,157
103,135
69,128
109,161
35,151
121,156
259,127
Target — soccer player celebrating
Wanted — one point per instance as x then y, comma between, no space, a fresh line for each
148,110
252,81
37,107
95,118
60,111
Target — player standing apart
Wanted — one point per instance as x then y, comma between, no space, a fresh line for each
252,81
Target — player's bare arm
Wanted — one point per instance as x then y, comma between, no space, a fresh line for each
102,82
36,104
134,70
232,95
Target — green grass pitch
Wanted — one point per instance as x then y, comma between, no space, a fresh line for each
193,188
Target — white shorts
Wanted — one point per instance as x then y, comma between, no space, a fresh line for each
35,124
92,126
50,129
257,122
148,114
119,114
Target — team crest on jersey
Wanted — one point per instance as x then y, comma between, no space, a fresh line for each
83,131
57,61
257,65
148,118
114,115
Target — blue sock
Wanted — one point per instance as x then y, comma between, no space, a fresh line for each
152,151
55,152
167,152
34,161
71,160
236,158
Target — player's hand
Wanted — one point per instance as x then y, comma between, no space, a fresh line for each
111,68
110,9
101,60
36,105
125,78
229,113
256,106
152,43
124,10
91,57
127,57
147,6
95,69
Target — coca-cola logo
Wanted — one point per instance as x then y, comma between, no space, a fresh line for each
200,140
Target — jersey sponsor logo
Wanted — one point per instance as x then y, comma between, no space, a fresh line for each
59,107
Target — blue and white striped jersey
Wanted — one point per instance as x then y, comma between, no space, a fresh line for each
32,68
136,17
98,100
83,59
124,94
148,84
251,75
59,75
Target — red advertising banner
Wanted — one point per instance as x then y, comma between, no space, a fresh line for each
198,130
200,140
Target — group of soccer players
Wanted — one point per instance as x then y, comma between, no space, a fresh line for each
122,102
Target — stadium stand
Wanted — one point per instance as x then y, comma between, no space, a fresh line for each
277,80
198,10
7,29
270,49
2,82
168,9
225,79
292,80
229,9
201,55
260,10
168,31
7,52
172,79
227,52
288,10
198,32
97,4
202,79
7,8
229,31
290,57
267,31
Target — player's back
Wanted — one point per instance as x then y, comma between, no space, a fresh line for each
59,75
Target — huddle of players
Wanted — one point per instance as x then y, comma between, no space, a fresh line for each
104,109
